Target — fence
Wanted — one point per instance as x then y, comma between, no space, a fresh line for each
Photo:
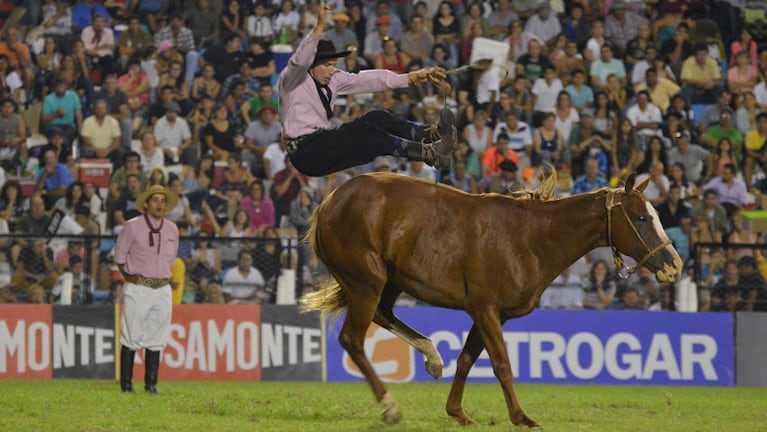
29,263
710,273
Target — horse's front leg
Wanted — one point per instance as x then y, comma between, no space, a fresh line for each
489,325
471,350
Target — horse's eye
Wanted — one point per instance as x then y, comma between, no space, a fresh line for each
642,218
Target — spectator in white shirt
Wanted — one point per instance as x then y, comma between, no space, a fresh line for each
489,85
545,92
645,117
174,136
543,24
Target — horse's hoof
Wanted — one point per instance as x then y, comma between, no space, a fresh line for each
463,419
528,423
434,369
391,412
392,416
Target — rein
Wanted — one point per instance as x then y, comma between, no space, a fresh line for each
610,204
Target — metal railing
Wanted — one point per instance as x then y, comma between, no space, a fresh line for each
27,260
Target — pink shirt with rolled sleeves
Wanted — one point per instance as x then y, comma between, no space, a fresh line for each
301,109
133,251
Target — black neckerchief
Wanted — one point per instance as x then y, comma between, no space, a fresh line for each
325,98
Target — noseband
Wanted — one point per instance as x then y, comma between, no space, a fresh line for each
610,204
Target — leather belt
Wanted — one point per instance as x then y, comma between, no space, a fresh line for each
291,144
147,282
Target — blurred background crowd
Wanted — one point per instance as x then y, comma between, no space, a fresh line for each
98,100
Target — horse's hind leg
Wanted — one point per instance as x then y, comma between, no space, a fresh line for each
362,305
385,318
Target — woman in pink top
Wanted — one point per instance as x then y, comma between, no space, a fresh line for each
135,85
745,43
741,78
260,208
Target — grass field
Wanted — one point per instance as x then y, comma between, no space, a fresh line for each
81,405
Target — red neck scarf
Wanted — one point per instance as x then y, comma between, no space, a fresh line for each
153,230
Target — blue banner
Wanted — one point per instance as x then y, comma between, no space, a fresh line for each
586,347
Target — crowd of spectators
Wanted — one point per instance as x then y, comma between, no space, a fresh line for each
181,93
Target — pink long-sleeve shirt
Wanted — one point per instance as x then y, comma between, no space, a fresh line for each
132,248
301,109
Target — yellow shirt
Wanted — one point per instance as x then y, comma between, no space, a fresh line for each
662,93
177,271
101,135
754,141
691,70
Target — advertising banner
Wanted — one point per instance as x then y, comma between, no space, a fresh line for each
594,347
291,344
211,342
25,342
83,342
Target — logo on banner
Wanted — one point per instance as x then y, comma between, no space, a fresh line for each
391,357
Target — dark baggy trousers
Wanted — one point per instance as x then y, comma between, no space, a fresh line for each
355,143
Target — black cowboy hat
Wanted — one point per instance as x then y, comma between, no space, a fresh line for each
327,50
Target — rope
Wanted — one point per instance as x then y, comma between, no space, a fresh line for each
610,204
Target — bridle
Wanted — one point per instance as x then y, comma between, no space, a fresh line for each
610,204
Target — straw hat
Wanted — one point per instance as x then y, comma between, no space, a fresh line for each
170,198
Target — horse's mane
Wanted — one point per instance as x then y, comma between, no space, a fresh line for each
547,186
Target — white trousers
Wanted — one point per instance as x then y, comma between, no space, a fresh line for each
145,321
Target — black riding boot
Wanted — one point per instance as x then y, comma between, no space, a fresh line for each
126,369
152,360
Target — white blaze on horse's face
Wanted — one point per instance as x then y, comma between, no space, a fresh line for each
671,271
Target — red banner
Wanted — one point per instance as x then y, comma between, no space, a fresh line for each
210,342
25,342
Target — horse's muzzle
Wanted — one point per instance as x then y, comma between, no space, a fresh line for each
671,272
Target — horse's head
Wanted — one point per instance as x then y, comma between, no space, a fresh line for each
635,230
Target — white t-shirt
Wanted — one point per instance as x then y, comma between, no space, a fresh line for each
595,48
546,95
276,157
518,139
652,191
566,125
149,163
489,82
760,92
13,81
68,226
651,114
241,287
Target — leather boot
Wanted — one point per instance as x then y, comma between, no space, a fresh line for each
152,361
429,154
126,369
445,130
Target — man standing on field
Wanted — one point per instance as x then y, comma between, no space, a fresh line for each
145,251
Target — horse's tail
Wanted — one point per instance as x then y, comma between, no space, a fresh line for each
330,298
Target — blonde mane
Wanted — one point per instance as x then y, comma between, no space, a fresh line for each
547,186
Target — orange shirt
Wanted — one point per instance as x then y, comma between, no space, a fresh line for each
492,160
12,58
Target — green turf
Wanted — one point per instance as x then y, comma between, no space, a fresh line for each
76,405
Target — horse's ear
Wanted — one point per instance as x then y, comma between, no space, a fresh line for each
630,182
641,187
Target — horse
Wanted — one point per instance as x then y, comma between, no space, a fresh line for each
490,255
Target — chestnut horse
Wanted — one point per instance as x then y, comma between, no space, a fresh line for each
490,255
